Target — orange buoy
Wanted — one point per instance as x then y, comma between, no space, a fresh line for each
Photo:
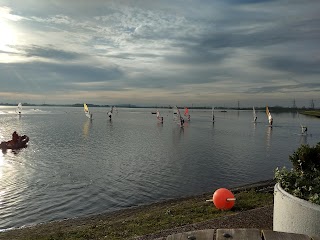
223,199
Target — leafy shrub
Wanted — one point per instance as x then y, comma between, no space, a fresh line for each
303,180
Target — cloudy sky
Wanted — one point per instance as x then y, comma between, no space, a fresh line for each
177,52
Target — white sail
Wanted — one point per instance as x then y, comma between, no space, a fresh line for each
159,118
177,116
19,108
254,115
87,111
303,127
270,119
110,113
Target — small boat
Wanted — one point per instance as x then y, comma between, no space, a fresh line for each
186,113
21,143
160,119
110,113
270,119
86,111
254,115
177,116
19,108
304,128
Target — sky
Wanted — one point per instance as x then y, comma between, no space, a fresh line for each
164,52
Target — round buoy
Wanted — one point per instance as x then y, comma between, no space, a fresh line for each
223,199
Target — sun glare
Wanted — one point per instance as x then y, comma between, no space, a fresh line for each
7,36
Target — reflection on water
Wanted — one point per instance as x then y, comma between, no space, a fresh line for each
268,137
177,134
126,159
86,127
303,139
1,165
254,127
2,191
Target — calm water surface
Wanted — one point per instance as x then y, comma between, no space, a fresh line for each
75,167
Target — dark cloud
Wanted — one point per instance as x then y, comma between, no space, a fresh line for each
174,80
131,56
167,45
291,65
196,54
42,76
305,87
48,52
258,38
248,1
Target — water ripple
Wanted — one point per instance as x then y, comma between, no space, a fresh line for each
76,167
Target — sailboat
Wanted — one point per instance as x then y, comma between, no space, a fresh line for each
110,113
254,115
19,108
160,119
270,119
186,113
86,111
304,129
213,114
177,116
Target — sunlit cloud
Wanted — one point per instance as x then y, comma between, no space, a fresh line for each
6,14
160,52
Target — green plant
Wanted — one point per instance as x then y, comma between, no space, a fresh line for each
303,180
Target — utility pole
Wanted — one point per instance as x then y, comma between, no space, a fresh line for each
312,104
294,106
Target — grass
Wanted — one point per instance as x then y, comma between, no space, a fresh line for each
139,221
315,113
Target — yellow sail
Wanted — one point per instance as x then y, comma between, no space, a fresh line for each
85,107
86,111
267,111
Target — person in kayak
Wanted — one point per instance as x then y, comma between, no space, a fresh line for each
15,138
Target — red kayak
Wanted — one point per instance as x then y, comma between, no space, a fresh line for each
21,143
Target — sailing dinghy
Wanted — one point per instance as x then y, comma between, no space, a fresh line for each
186,113
160,119
270,119
87,111
177,116
19,108
304,129
110,113
254,115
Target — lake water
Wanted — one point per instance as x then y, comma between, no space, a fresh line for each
76,167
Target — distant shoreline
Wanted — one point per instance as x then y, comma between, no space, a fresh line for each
303,110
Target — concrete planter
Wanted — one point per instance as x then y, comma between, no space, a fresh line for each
294,215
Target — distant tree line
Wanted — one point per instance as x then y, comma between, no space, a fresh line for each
272,108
